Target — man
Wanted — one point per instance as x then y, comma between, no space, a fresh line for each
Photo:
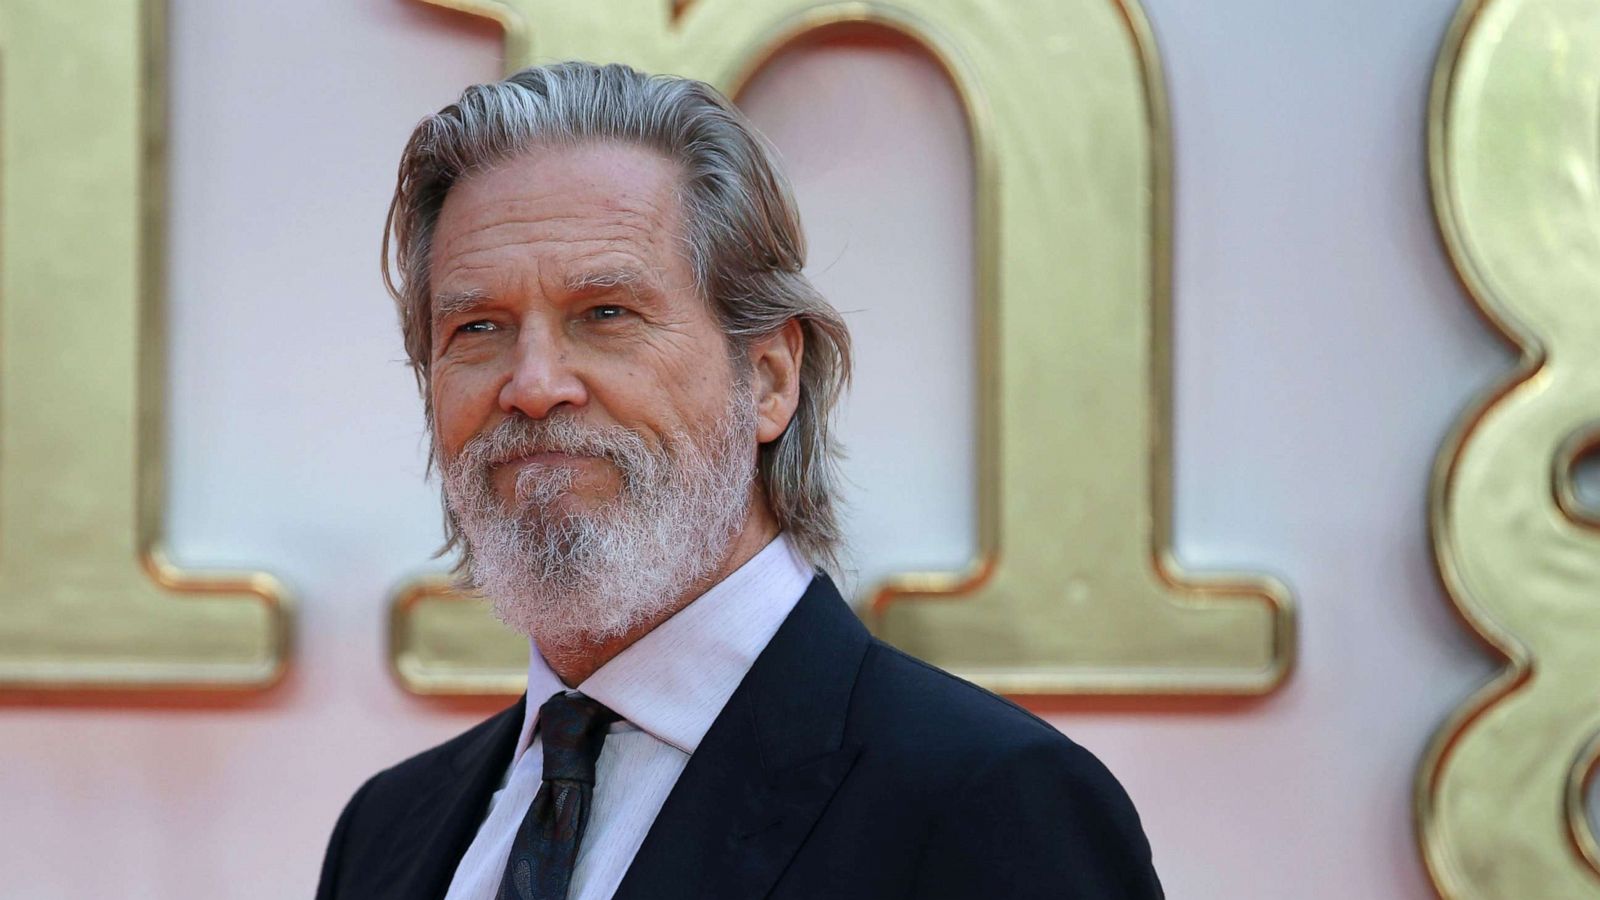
629,384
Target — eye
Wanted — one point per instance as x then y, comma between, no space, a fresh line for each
607,312
475,327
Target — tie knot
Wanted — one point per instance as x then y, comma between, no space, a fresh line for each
573,728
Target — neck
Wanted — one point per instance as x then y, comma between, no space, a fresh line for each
575,662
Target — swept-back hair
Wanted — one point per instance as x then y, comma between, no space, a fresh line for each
743,240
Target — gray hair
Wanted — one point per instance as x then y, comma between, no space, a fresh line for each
744,243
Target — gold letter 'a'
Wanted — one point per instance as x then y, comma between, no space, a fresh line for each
1516,178
1073,590
87,599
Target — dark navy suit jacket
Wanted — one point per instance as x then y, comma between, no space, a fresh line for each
840,768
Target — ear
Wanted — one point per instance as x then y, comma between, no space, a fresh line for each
775,364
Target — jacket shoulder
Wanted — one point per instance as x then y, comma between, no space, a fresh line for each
1011,806
901,693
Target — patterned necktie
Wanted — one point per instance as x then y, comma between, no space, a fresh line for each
573,729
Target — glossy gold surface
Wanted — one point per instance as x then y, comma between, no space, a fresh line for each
1073,589
88,600
442,642
1515,164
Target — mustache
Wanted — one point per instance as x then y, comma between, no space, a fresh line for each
520,436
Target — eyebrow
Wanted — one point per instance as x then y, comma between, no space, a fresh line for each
449,304
600,279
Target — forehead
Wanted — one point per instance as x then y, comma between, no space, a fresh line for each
555,211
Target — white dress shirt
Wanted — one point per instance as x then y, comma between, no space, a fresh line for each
668,687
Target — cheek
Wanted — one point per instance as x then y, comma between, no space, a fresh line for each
708,390
657,403
461,405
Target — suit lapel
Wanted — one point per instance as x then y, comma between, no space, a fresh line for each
433,835
767,767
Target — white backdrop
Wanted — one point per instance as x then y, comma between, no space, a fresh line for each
1323,348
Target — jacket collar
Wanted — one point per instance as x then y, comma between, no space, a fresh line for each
766,769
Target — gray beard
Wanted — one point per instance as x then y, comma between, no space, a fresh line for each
566,580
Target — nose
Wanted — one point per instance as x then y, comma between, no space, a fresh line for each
542,378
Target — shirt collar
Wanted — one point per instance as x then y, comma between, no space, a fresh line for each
673,681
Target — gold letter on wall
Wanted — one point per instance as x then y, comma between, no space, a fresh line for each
1073,590
81,380
1516,178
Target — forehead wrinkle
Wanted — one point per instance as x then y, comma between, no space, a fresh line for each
528,230
535,199
625,211
635,238
615,264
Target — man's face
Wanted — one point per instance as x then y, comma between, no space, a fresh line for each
561,289
598,451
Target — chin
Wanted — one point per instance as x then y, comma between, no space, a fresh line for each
562,619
